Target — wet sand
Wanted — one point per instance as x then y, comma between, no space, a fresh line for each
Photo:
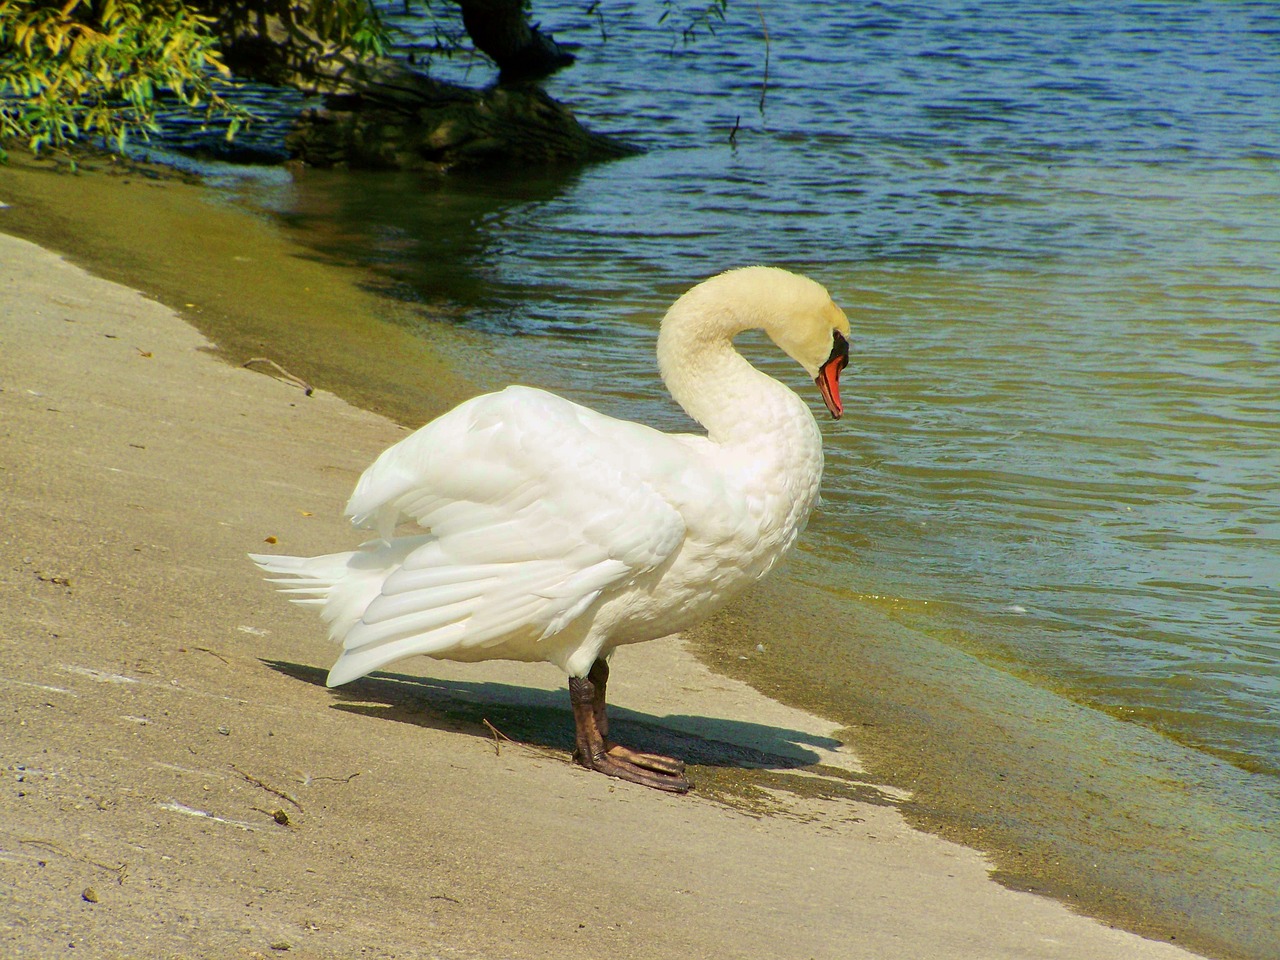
180,783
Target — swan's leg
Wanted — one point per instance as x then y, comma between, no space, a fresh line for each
593,753
599,676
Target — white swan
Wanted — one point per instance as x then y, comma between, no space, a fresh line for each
557,533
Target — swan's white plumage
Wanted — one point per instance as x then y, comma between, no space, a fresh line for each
556,533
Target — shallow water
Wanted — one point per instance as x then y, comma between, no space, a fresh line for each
1056,233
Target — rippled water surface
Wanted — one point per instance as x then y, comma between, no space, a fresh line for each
1056,230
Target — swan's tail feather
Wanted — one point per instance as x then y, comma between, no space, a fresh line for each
343,585
356,662
380,608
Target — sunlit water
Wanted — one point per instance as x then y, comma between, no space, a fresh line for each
1056,229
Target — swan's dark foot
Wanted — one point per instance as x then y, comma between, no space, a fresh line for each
634,772
650,761
614,760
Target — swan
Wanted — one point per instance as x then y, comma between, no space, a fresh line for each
549,532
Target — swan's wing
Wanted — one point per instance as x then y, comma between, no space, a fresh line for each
535,505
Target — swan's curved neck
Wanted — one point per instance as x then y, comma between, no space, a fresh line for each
714,383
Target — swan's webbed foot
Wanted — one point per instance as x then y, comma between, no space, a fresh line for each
634,772
650,761
597,753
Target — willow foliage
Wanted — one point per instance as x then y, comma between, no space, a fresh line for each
80,68
71,69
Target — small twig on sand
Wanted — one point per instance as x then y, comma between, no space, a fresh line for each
120,871
285,375
212,653
267,787
497,747
347,779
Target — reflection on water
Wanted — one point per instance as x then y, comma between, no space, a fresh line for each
1056,229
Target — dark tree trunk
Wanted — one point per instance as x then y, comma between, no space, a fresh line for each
401,120
383,114
267,41
500,29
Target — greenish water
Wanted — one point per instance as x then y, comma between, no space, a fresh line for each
1049,555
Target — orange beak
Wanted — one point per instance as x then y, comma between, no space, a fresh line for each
828,379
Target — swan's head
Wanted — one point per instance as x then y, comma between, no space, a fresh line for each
801,318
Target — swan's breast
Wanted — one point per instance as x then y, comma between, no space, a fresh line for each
743,507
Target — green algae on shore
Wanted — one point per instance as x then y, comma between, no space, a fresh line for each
241,283
996,762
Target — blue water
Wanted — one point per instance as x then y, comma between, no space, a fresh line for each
1056,230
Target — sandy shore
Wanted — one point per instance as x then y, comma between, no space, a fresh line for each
163,712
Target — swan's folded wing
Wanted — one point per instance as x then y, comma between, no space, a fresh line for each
536,506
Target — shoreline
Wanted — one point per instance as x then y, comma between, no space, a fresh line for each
996,762
333,442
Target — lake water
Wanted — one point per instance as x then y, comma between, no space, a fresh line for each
1056,231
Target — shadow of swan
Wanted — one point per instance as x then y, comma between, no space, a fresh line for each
541,718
